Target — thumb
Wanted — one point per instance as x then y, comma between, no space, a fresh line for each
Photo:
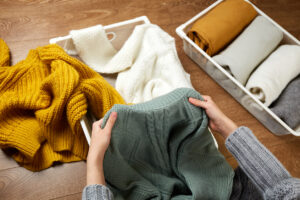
198,102
111,121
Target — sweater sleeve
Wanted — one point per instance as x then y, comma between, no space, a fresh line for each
97,192
261,166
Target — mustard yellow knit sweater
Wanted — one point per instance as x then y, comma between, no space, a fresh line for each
42,100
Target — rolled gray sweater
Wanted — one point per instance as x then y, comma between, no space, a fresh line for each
259,175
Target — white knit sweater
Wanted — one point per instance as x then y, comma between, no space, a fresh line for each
147,64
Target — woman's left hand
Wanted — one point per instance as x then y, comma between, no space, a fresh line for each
101,138
99,143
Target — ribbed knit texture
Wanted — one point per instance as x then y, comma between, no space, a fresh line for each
261,167
97,192
162,149
42,100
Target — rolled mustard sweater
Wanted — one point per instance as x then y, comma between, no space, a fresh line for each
42,100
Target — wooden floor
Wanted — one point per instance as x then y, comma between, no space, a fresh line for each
27,24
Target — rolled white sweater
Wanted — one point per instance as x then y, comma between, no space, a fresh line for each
273,75
147,64
253,45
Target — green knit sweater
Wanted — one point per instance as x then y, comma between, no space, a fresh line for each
162,149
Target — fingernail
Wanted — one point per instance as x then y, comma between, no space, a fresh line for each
191,99
114,114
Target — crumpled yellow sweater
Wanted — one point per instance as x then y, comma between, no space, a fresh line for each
42,100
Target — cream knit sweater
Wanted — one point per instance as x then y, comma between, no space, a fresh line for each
147,64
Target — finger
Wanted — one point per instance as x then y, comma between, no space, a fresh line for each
111,121
100,122
198,102
206,98
96,125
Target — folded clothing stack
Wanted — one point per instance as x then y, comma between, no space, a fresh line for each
251,47
42,100
162,149
221,25
249,58
147,64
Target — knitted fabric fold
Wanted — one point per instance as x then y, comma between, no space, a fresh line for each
42,100
213,31
147,64
162,149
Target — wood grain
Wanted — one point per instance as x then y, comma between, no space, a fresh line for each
6,162
58,181
26,24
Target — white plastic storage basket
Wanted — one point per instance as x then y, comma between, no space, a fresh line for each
119,33
230,84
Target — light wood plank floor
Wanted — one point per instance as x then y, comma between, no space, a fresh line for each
27,24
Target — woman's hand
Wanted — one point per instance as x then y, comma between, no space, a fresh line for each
218,121
99,143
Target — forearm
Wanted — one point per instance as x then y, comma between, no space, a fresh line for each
95,175
259,164
96,189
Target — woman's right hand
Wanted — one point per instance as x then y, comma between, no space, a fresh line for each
218,121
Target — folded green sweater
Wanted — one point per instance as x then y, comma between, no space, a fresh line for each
162,149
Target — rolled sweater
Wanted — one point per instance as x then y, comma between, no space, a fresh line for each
42,100
252,46
268,178
147,64
287,106
273,75
218,27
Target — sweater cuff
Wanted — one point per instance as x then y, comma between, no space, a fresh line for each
24,136
256,161
296,183
97,192
287,189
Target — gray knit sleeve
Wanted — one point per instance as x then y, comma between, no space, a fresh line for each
259,164
97,192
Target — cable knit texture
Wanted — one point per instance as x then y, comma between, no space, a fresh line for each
42,100
259,175
162,149
147,64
